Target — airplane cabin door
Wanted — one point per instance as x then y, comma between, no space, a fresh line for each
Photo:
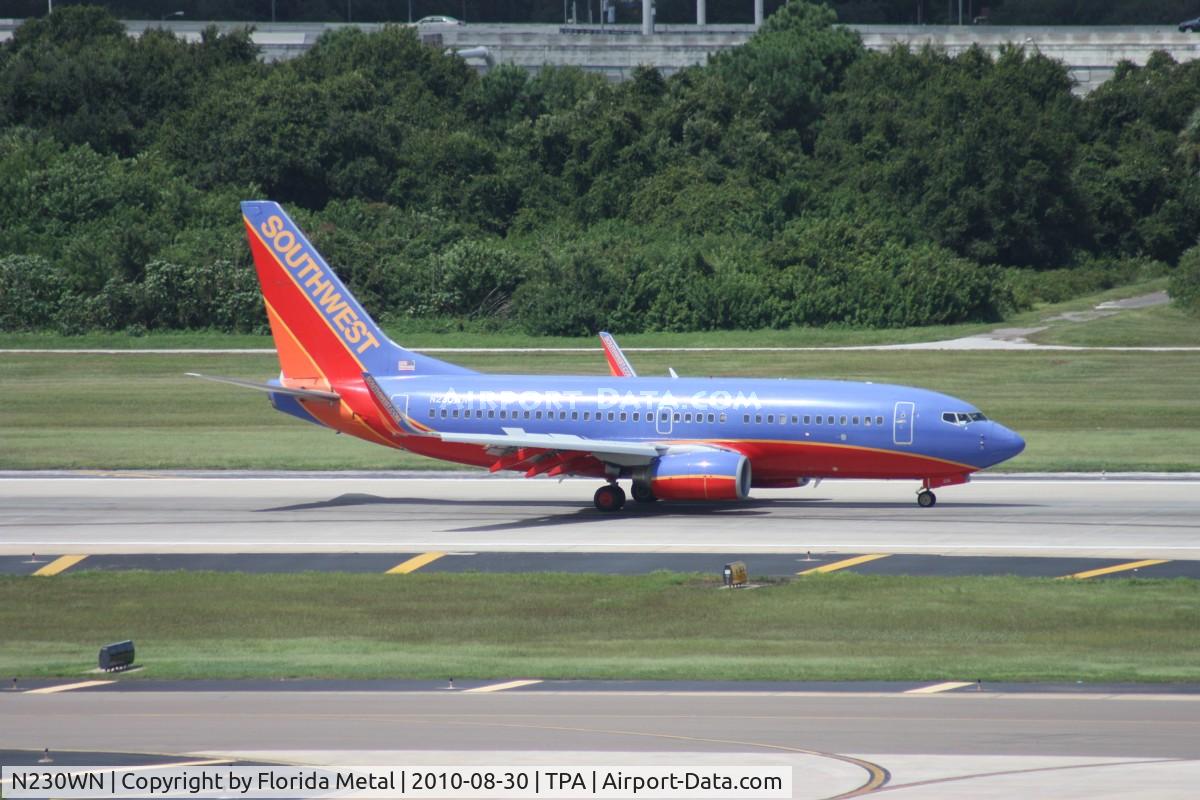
902,423
399,407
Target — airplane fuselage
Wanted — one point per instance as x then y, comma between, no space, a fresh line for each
788,429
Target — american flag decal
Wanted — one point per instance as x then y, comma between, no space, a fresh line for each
406,366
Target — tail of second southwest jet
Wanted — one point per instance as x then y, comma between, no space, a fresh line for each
323,336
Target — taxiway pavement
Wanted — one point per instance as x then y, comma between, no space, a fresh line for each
1130,518
929,746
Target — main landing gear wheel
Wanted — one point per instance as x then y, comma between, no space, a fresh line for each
609,497
642,493
926,498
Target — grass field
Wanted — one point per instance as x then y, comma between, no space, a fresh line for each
1149,328
193,625
1158,326
1091,410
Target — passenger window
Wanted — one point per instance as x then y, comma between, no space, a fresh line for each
635,416
611,417
491,413
432,413
722,418
574,415
829,420
712,418
687,417
586,416
562,415
843,419
745,417
443,413
770,418
622,416
758,418
879,420
819,418
867,421
807,419
783,419
454,413
854,420
676,416
537,415
526,415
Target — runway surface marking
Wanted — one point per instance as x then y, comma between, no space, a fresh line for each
67,687
877,776
939,687
844,563
60,564
415,563
1092,573
500,687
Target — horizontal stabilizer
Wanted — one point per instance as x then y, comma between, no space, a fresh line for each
306,394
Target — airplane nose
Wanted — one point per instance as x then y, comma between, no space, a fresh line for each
1007,443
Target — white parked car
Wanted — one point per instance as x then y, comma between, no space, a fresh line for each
439,20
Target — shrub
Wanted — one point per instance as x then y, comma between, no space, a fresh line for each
31,289
1184,286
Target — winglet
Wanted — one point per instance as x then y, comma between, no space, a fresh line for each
618,364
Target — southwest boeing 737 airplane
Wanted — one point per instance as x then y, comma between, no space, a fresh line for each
673,438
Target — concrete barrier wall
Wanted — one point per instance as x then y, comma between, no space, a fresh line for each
1091,53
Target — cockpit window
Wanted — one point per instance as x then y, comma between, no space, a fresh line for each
962,417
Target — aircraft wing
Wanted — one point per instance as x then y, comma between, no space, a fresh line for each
517,437
618,364
556,453
306,394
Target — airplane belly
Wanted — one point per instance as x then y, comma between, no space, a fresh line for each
776,462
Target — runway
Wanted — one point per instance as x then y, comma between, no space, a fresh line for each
1127,518
928,746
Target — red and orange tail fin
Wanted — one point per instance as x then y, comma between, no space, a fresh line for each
322,334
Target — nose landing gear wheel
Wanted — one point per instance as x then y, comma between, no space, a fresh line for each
609,497
926,498
642,493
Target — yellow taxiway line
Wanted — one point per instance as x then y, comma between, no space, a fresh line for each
60,564
414,563
67,687
847,562
1092,573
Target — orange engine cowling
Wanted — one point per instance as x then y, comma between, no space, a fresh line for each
702,475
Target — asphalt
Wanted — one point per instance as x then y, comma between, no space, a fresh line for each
764,565
121,683
928,746
1123,519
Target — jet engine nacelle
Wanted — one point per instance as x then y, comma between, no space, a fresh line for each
702,475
